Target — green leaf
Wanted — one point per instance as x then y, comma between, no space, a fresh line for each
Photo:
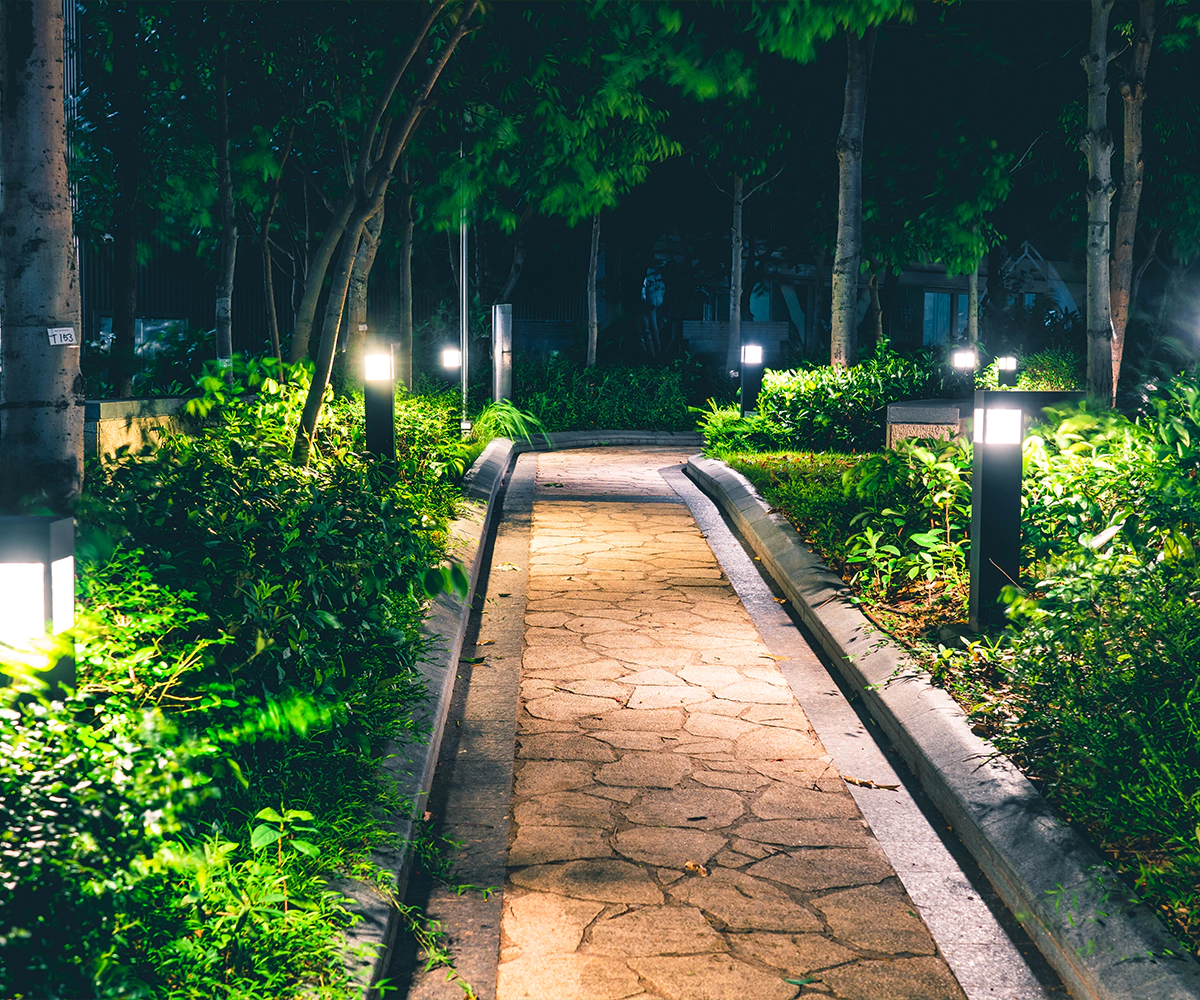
800,982
304,847
262,836
269,814
292,814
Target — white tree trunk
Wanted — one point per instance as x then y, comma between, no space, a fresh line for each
843,338
1097,147
733,354
41,392
229,229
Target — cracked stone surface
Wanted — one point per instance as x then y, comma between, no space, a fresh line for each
679,831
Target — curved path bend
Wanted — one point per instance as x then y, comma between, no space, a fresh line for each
629,762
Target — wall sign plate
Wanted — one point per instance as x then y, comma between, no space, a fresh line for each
61,336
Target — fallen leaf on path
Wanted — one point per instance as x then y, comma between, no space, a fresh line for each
557,486
772,656
486,642
510,566
800,982
470,659
504,595
867,783
695,866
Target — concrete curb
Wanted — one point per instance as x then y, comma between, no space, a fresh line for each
369,942
1103,944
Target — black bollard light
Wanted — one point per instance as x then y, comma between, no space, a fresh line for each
37,584
379,400
752,375
998,432
1006,370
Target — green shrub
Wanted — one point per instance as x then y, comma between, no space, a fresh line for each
1056,369
247,638
566,397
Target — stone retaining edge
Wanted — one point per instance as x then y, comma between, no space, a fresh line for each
369,942
1104,945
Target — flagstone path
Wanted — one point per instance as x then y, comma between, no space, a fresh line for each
678,830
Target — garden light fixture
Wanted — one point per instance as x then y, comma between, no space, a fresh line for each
502,324
751,377
1006,368
37,584
964,360
998,431
451,357
379,400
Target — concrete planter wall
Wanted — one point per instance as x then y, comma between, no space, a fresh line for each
112,424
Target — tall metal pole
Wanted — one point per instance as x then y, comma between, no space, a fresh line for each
465,425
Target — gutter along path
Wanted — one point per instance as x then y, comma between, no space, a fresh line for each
674,826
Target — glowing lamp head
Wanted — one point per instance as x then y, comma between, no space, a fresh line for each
752,354
1006,363
377,366
997,425
451,357
37,578
964,360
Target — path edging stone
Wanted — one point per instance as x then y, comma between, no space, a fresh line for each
1103,944
369,942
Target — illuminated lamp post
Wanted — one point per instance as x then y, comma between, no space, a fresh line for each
752,375
964,359
998,431
451,358
379,400
37,583
1006,369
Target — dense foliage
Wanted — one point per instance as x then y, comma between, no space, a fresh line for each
247,638
1093,687
565,396
826,408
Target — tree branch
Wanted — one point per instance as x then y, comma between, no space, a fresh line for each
765,182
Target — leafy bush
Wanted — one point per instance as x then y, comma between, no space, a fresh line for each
566,397
247,638
826,408
1056,369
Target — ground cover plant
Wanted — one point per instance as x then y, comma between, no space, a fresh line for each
246,644
1093,686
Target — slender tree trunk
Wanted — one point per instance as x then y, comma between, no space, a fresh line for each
733,350
1133,171
518,259
876,307
265,247
356,301
1097,146
229,229
843,347
128,155
372,184
404,332
318,267
41,389
973,305
593,321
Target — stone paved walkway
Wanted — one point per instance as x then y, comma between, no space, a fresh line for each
679,832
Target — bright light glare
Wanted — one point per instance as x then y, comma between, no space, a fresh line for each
1007,363
963,359
1002,427
62,590
451,358
977,427
378,367
22,602
752,354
